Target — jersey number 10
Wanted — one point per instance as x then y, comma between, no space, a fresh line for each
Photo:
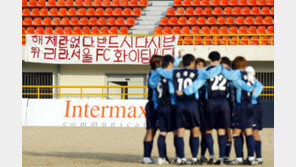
183,83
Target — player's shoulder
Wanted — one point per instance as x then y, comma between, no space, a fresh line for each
208,67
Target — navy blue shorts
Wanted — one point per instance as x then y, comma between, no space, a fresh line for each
202,108
218,114
257,117
187,114
166,119
232,109
151,116
243,116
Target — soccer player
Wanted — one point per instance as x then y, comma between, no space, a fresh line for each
257,126
187,115
151,113
243,115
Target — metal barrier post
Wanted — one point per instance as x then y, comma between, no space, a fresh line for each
123,94
38,93
103,93
81,93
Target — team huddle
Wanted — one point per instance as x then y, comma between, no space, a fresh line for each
221,96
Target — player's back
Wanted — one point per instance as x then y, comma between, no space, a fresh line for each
218,86
246,97
163,93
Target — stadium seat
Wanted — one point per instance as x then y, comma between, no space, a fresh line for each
221,20
85,30
30,30
270,29
187,40
249,20
176,30
69,3
72,12
124,2
254,41
182,21
211,20
240,20
90,11
62,12
93,21
215,2
68,30
195,30
268,20
186,3
170,11
136,11
53,12
233,2
167,30
123,30
243,30
237,11
265,11
37,21
108,11
270,2
244,41
78,3
74,21
201,20
65,21
35,12
192,20
28,21
272,40
252,2
120,21
158,30
83,21
99,11
48,30
180,11
102,21
88,3
164,21
246,11
173,20
40,2
261,30
32,3
23,29
207,40
117,11
177,3
95,30
205,30
185,30
255,11
214,30
51,3
223,30
130,21
208,11
217,11
43,12
61,3
133,3
127,12
261,2
111,21
104,30
198,11
224,2
258,20
189,11
24,3
205,2
228,11
26,12
230,20
47,21
195,2
233,30
56,21
143,3
252,30
272,10
76,30
58,31
97,3
243,2
234,41
81,12
265,40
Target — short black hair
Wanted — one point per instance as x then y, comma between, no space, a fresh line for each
214,56
166,60
225,60
155,62
200,60
187,59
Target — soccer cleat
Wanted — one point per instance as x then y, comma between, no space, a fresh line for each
259,161
226,160
250,161
147,160
203,159
195,161
212,160
167,159
237,161
219,161
183,161
162,161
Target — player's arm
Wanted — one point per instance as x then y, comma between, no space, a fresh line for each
172,92
239,83
190,89
230,74
207,74
154,79
154,98
177,61
258,89
168,74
